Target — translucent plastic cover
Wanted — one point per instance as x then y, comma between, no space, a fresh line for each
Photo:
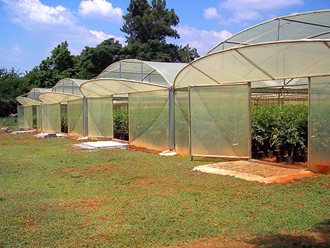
51,117
308,25
262,62
220,120
24,117
181,123
75,118
100,117
319,156
148,119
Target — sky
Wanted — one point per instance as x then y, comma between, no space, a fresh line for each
30,29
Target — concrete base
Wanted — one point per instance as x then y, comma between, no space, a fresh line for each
254,171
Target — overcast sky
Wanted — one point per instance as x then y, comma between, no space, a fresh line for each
30,29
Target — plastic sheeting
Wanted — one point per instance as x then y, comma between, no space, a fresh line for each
268,61
75,118
220,121
51,117
159,73
319,156
148,119
181,122
39,117
308,25
100,117
24,117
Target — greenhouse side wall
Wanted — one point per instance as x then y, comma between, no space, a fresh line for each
24,117
51,120
220,121
148,119
319,157
39,116
181,122
75,118
100,117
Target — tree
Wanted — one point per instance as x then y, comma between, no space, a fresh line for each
12,84
147,27
92,61
61,64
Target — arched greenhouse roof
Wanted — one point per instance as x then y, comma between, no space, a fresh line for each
258,62
102,87
69,86
161,73
67,89
32,98
307,25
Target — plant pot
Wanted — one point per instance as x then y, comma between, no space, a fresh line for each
279,158
269,153
260,155
289,159
276,152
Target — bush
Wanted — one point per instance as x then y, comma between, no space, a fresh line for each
280,128
120,120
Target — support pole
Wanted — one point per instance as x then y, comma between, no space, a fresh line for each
250,123
189,124
309,124
171,119
85,117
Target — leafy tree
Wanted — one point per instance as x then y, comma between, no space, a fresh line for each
61,64
12,84
147,27
92,61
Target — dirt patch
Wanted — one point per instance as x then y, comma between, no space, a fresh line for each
215,242
143,181
252,171
83,171
82,205
142,149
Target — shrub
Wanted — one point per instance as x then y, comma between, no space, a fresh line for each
120,120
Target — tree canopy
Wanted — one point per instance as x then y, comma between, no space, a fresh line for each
146,26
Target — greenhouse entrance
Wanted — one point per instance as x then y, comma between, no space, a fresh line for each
120,118
64,118
220,121
279,121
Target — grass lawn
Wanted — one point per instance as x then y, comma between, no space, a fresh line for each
52,195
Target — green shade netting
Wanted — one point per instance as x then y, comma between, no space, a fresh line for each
100,117
148,119
220,120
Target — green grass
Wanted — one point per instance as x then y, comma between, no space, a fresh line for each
52,195
8,122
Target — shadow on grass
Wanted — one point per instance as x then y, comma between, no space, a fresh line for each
319,238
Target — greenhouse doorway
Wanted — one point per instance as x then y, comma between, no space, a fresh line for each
279,122
219,121
64,117
120,118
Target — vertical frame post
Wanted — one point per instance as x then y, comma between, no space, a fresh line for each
309,124
85,117
129,118
189,123
171,116
250,121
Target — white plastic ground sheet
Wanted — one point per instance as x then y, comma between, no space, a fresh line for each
49,135
101,144
24,131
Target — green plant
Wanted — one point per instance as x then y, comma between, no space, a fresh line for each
120,120
282,128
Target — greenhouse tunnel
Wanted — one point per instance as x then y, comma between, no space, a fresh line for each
29,112
63,109
215,91
147,87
